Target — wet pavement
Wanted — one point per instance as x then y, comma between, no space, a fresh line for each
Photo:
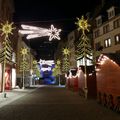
54,103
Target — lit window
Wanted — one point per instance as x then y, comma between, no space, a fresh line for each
117,39
108,42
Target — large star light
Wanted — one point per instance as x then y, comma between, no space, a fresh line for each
82,24
34,32
66,51
24,51
54,33
7,28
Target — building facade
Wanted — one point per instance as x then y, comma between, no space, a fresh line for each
29,58
71,46
107,32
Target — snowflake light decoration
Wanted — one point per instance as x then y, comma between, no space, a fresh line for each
66,51
34,32
7,28
82,24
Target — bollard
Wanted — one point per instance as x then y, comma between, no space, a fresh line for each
5,95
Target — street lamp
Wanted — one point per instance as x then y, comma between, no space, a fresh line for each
83,48
24,66
6,51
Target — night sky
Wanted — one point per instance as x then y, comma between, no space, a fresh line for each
62,14
52,11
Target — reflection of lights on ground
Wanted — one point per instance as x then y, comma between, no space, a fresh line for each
59,86
49,80
56,86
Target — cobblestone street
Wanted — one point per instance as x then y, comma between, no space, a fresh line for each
55,103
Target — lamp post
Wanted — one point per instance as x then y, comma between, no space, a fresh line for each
24,66
83,48
6,51
66,64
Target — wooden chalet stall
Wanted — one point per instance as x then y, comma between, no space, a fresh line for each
108,80
72,80
75,81
91,81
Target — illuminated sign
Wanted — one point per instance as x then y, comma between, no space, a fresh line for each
46,69
48,62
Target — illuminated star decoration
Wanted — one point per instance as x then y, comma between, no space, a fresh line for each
34,62
7,29
54,33
34,32
24,51
82,24
66,51
58,62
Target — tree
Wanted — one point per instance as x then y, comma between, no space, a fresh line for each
66,63
6,51
84,49
24,66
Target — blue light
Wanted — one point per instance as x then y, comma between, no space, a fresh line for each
46,73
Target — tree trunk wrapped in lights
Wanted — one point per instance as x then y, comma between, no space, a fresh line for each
84,49
6,51
5,57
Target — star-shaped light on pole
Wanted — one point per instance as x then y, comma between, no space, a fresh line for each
7,29
34,62
34,32
58,62
6,51
66,51
24,51
82,24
